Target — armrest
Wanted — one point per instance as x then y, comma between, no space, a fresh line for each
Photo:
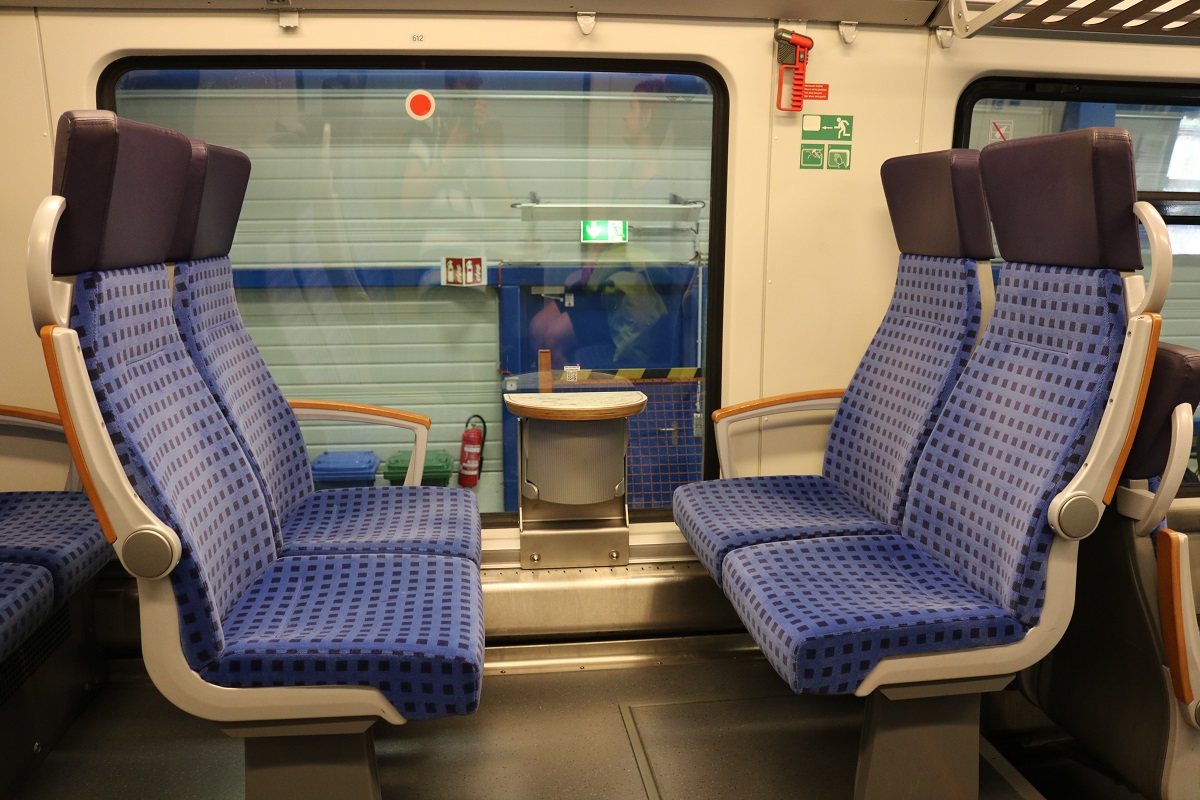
1177,607
31,418
1075,511
335,411
39,420
1147,508
822,400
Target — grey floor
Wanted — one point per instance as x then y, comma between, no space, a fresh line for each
726,729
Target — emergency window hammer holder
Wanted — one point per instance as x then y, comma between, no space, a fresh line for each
791,51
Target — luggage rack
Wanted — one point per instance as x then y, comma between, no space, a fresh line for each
1107,17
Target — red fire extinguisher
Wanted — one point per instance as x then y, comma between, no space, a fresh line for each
471,457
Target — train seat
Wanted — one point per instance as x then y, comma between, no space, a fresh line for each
1123,681
26,598
299,655
51,552
977,581
392,519
940,219
55,530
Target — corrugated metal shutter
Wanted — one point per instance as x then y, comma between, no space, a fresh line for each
344,180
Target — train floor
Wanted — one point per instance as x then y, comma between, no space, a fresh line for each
714,729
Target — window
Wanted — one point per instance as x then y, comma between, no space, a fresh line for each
415,232
1164,121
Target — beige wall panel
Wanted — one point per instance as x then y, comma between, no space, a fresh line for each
25,163
831,256
36,462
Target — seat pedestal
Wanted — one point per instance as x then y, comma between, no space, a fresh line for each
922,741
310,761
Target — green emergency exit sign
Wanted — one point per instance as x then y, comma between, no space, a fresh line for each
603,230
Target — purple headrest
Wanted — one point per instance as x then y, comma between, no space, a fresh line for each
123,182
212,203
1175,380
1065,199
937,204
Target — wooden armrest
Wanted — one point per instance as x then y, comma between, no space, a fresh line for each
336,411
1177,610
821,400
30,417
763,405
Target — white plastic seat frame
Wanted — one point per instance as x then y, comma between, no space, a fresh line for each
148,548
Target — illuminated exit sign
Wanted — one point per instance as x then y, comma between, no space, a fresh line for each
603,230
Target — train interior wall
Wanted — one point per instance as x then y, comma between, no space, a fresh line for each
809,255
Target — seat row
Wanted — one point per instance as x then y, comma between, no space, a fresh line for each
935,556
294,617
51,551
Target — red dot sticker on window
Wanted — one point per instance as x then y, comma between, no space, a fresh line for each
419,104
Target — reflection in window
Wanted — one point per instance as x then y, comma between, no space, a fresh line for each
412,236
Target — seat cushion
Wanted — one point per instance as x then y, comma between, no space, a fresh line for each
55,530
411,626
428,520
26,598
826,611
717,517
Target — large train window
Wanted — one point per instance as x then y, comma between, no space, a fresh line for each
1164,121
415,232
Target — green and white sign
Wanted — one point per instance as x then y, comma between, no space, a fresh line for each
838,157
812,156
827,128
603,230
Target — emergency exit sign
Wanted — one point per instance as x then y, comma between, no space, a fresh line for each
603,230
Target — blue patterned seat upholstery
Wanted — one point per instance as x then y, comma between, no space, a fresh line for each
384,519
968,565
330,620
55,530
826,612
26,598
238,600
897,391
720,516
399,519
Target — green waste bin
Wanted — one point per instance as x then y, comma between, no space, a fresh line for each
439,465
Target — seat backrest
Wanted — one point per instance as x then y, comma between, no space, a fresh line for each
1175,380
211,326
1022,418
940,219
172,439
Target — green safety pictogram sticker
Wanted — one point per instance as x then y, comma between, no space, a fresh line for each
603,230
838,156
827,128
812,156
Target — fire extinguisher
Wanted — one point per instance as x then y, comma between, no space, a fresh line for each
471,457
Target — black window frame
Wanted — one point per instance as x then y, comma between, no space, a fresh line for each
1176,208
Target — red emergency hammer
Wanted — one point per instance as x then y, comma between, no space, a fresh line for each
792,54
